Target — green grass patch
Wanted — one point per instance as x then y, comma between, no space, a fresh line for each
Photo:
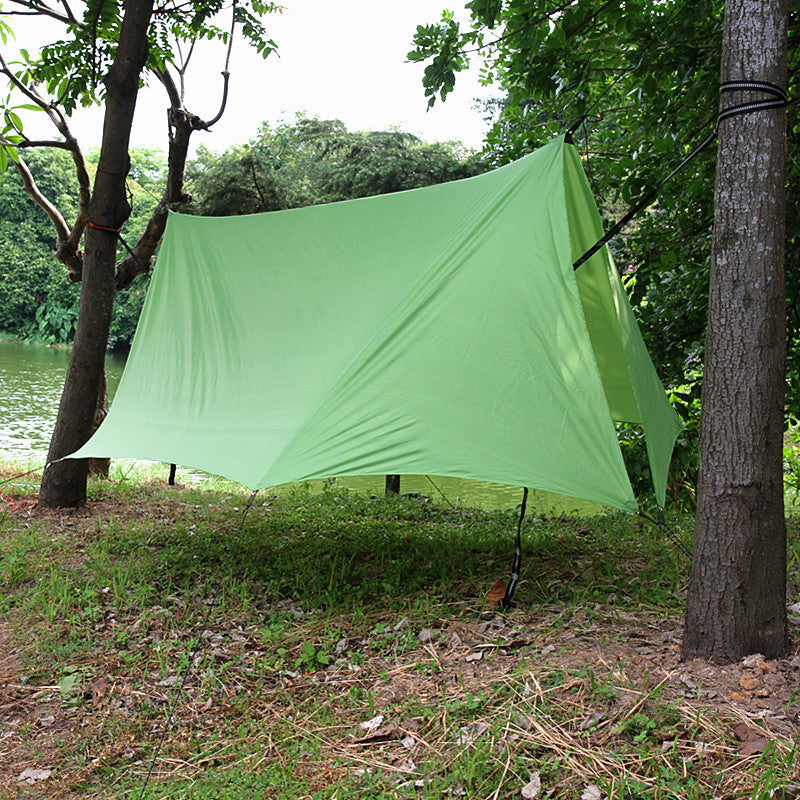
335,645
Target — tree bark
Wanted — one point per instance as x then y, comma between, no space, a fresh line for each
100,467
64,482
736,602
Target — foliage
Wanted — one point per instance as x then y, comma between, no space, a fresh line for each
311,161
320,161
56,324
72,68
636,84
31,279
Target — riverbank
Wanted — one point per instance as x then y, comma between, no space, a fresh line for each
333,645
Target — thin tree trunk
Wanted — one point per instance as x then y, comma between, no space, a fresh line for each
64,482
736,602
392,485
100,466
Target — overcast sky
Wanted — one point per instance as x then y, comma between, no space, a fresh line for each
343,59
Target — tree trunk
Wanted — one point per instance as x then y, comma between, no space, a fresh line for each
736,602
64,482
100,466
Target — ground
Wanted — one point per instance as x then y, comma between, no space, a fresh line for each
559,700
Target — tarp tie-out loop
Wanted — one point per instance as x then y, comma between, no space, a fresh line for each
517,566
779,100
117,232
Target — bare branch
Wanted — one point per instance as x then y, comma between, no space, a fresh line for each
55,115
225,79
69,13
175,99
225,73
44,143
34,8
66,252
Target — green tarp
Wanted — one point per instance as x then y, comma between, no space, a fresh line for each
437,331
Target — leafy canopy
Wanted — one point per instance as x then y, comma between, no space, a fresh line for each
320,161
70,70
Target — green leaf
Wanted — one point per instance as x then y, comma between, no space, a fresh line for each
14,119
3,159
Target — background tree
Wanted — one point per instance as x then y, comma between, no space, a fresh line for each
108,45
319,161
636,84
36,297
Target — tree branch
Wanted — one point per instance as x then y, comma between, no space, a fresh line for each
38,9
225,73
66,252
546,16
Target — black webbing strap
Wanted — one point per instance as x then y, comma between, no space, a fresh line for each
517,565
117,232
778,100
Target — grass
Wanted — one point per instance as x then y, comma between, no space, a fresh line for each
331,645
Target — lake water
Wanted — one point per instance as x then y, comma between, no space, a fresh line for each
31,380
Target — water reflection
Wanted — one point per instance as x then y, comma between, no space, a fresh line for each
31,380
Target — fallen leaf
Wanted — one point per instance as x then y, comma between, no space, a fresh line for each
591,720
31,775
533,787
749,682
523,722
496,593
372,724
70,683
476,656
98,689
753,746
744,733
752,739
591,792
382,734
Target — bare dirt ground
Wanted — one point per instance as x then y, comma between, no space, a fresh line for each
553,666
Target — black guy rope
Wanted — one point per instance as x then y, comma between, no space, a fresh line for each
179,692
118,233
21,475
778,99
669,531
517,565
444,496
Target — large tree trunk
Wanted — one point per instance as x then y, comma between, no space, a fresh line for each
64,482
736,603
